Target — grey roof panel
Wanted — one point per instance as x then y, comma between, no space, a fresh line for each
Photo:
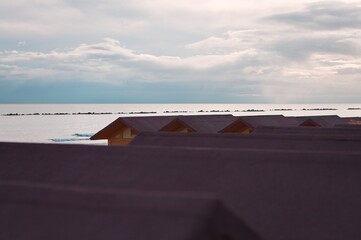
338,130
324,121
270,140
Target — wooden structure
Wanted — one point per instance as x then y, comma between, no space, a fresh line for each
124,129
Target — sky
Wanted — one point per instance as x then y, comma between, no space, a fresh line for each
162,51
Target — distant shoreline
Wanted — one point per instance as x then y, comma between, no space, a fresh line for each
172,112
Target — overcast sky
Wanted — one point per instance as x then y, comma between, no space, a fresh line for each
162,51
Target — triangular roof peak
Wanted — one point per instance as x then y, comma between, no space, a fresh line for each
200,123
177,125
243,123
137,124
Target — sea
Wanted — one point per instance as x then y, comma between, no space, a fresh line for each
75,123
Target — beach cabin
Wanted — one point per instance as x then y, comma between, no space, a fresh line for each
247,124
124,129
198,123
322,121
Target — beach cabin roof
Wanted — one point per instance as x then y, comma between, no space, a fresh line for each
252,122
49,211
199,123
273,140
353,126
137,124
318,191
338,130
353,120
321,121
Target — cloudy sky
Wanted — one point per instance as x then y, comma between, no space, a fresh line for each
162,51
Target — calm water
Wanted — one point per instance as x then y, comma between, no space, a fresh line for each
74,123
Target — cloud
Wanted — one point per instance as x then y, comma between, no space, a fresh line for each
325,15
253,72
302,47
65,19
21,43
230,41
157,26
270,50
108,61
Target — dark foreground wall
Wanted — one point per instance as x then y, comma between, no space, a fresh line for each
279,194
48,211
